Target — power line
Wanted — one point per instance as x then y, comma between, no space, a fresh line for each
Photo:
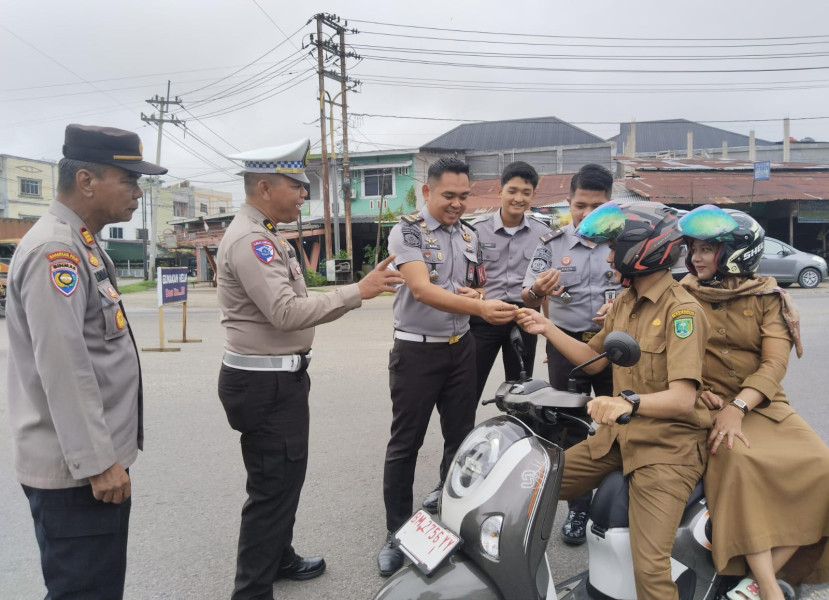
586,70
579,37
580,45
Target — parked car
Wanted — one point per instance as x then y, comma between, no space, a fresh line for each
6,251
786,264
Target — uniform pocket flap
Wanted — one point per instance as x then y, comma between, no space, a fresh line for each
296,449
652,345
108,293
78,522
492,255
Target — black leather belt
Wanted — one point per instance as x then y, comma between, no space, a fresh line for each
584,336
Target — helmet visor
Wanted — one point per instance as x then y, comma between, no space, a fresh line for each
707,222
603,224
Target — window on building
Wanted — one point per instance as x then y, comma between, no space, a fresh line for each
203,208
179,209
222,210
116,233
402,170
140,234
373,179
29,187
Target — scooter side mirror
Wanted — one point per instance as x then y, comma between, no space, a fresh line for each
516,340
621,349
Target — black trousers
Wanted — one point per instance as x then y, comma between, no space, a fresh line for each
83,543
489,340
558,368
270,410
423,376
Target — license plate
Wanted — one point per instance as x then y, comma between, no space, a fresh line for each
426,541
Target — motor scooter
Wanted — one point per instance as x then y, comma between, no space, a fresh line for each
496,512
497,508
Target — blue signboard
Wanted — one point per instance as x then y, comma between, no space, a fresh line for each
762,171
172,285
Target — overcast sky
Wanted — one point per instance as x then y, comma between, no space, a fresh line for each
589,63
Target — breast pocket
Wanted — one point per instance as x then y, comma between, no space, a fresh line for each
115,321
569,279
654,361
494,255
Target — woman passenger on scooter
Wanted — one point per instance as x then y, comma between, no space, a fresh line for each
766,481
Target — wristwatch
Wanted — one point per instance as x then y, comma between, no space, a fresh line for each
631,397
737,403
533,295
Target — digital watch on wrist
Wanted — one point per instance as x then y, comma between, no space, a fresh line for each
631,397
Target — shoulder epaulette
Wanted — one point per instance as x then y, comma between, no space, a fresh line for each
412,218
551,236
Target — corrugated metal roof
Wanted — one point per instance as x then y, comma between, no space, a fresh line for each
709,164
672,135
682,187
484,196
540,132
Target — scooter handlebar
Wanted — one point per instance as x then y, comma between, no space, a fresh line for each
623,419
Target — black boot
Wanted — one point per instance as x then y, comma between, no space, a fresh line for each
390,558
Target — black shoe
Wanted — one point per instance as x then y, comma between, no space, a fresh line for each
301,569
573,530
390,558
430,502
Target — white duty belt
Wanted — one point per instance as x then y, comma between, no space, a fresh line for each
430,339
252,362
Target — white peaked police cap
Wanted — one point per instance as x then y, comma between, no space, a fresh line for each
289,160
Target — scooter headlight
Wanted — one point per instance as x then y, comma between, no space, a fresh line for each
478,454
491,535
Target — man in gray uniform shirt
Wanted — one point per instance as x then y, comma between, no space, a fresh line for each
508,239
269,324
74,382
432,362
574,274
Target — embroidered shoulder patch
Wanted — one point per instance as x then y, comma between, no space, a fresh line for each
264,250
679,313
93,260
64,255
64,275
411,236
684,327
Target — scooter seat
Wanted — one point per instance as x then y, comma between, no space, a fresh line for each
610,503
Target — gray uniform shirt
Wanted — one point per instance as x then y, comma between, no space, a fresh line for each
265,306
506,256
451,256
73,373
585,275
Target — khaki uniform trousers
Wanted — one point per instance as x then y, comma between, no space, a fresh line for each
658,494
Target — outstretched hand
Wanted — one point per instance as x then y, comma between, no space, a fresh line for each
532,321
498,312
380,279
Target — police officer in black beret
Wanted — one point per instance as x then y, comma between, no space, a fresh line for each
74,381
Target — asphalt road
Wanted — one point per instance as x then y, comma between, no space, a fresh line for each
188,484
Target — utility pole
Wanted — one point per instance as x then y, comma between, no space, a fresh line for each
162,104
326,195
346,84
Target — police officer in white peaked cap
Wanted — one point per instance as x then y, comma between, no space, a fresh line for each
263,384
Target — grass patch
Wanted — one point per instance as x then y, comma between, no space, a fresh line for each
137,287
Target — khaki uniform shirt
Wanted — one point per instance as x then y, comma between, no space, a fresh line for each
451,256
734,358
74,381
265,306
586,276
507,256
672,331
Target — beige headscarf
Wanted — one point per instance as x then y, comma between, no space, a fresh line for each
735,287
